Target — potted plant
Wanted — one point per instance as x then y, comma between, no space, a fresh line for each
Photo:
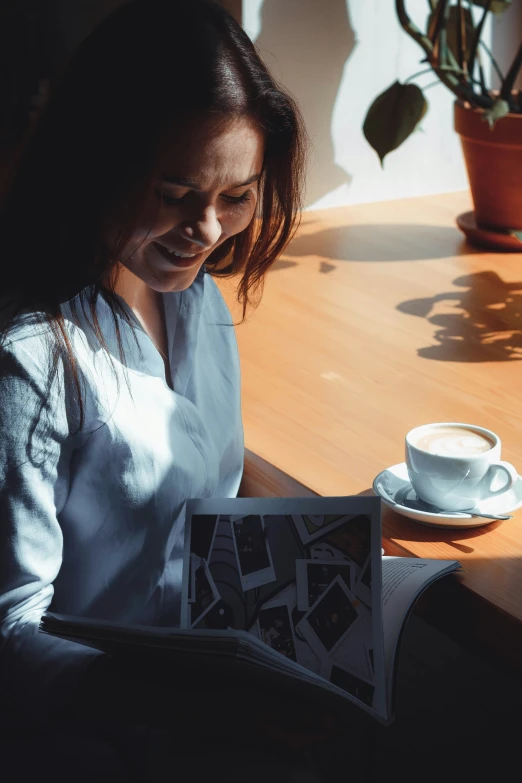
488,121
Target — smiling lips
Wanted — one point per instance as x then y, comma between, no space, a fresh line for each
178,254
176,258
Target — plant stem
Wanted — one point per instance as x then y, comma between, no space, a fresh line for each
493,61
481,74
461,37
476,39
440,49
509,81
431,84
461,90
451,68
437,21
437,32
419,73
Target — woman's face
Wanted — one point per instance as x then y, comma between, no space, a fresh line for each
206,192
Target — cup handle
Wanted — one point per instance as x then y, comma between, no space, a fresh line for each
501,467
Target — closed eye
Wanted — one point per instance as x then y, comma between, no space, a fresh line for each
171,200
238,199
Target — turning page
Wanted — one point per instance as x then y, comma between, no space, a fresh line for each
403,580
302,575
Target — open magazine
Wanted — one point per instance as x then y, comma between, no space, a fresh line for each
284,586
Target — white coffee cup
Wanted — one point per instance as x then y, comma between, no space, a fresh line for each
454,466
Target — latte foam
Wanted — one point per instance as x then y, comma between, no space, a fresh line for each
453,442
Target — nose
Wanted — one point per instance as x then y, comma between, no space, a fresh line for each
203,229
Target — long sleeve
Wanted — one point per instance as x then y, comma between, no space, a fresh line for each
91,523
36,671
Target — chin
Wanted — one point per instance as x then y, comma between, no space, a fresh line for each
178,280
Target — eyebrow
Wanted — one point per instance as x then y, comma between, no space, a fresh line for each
189,183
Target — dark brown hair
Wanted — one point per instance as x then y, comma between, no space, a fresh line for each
87,165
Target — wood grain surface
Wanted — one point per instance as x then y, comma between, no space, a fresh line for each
378,318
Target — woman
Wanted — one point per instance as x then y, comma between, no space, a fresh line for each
119,377
120,399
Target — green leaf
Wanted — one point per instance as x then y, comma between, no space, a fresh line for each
497,6
517,234
499,109
393,116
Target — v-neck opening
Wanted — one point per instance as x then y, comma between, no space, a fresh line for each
167,374
182,311
166,356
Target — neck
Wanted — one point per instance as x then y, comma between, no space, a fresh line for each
136,293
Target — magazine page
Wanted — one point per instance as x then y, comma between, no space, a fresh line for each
176,643
403,580
225,651
297,574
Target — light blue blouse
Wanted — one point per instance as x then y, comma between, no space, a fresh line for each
90,524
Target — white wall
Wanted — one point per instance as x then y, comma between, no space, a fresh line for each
506,38
335,57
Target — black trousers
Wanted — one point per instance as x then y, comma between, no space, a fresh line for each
457,719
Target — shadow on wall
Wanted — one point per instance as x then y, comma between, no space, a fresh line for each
306,44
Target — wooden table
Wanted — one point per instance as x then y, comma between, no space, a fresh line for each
378,318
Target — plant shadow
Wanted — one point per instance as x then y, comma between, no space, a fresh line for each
384,242
484,323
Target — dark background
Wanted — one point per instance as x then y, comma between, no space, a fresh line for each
37,37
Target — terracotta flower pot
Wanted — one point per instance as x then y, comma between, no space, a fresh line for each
494,165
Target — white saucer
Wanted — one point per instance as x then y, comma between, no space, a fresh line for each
394,488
